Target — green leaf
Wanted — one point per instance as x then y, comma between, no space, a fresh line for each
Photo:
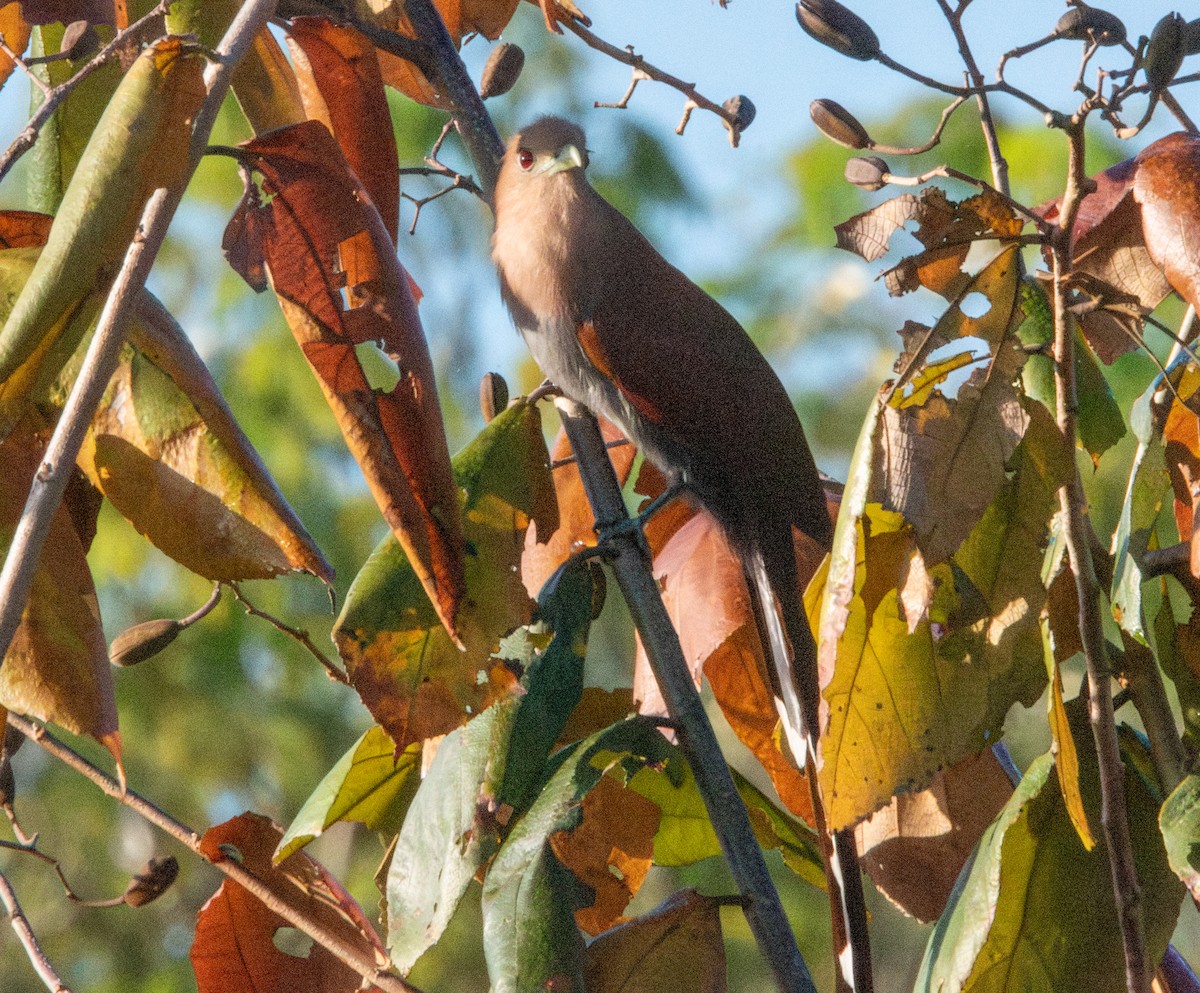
1148,487
1180,823
141,143
450,831
530,937
368,784
1034,910
553,682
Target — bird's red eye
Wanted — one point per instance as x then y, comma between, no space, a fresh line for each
525,158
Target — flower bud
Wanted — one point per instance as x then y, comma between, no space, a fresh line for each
867,173
142,641
502,70
1090,24
839,28
493,395
1164,53
743,110
836,123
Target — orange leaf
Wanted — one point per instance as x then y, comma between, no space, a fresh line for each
488,17
346,74
1181,438
57,666
401,74
334,268
609,851
235,947
23,228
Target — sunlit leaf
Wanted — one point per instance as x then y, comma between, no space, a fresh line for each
415,681
16,31
234,947
345,76
56,667
140,144
165,449
1180,822
367,785
675,948
1167,186
334,269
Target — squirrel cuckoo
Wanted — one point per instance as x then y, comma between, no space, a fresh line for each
620,330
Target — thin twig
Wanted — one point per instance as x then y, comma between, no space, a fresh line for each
1114,816
644,70
301,637
360,961
100,362
50,860
630,563
934,139
20,924
20,63
28,136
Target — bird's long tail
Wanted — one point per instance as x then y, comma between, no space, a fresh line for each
788,639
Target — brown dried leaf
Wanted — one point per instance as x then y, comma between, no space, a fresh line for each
57,665
869,234
334,268
943,458
609,851
487,17
914,848
345,72
234,947
23,228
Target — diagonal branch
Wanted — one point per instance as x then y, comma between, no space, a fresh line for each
20,924
355,958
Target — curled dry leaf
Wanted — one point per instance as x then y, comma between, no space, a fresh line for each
1167,186
342,87
333,267
57,665
234,946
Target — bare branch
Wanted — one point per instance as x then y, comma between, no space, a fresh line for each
1072,503
20,924
644,70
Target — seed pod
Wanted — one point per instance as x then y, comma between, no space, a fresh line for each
743,110
867,173
142,641
836,123
1191,37
839,28
79,40
502,70
1164,53
493,395
1090,24
152,882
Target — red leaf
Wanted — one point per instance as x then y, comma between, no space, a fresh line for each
334,268
235,948
346,72
1167,185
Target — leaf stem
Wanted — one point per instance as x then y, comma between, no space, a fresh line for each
1113,814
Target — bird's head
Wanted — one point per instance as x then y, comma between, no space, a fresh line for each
547,147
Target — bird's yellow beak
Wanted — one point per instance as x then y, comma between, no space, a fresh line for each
568,157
